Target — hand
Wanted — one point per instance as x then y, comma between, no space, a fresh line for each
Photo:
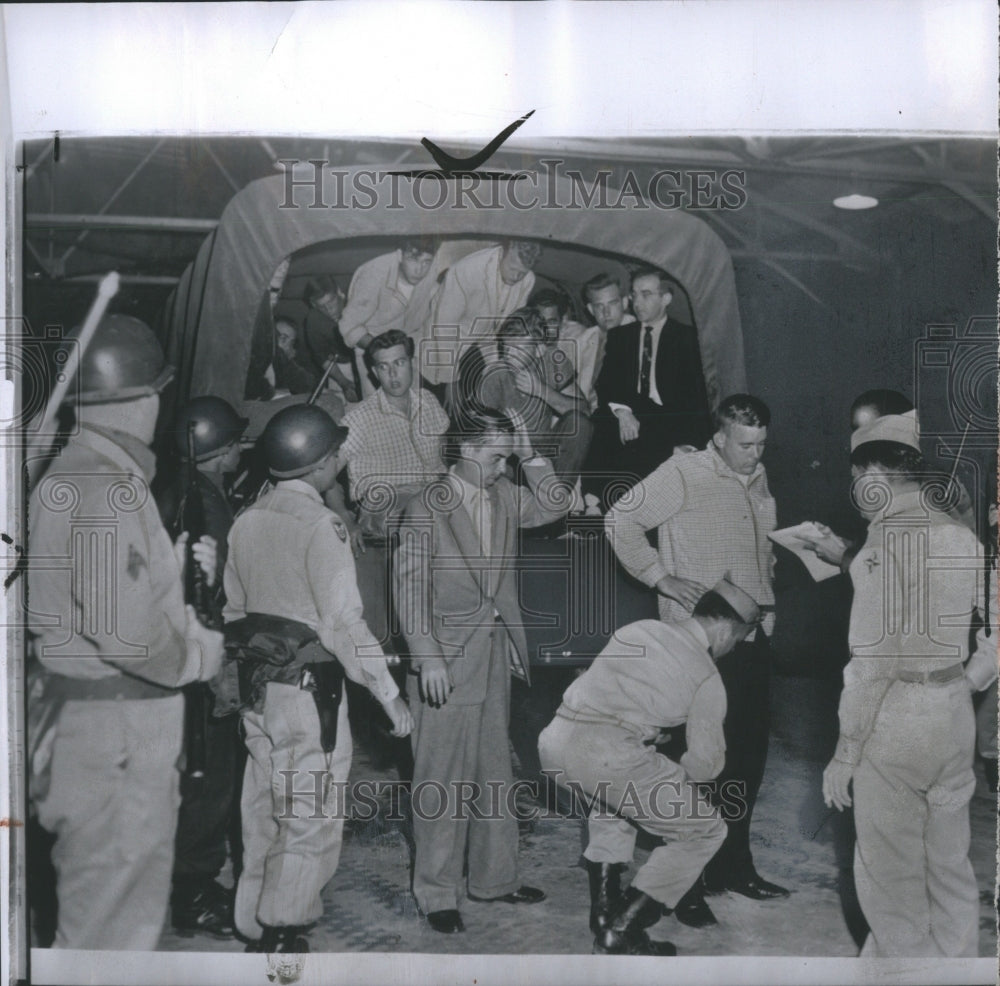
210,644
350,394
205,554
522,443
686,591
628,425
836,777
399,713
435,681
830,548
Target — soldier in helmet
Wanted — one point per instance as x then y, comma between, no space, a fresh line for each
290,580
115,645
208,438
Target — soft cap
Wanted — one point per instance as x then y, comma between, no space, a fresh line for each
904,429
742,602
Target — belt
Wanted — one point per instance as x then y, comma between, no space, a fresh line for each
580,717
936,677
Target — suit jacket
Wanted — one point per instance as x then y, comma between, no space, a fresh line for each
680,380
445,598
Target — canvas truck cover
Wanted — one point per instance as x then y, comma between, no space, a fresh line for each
209,319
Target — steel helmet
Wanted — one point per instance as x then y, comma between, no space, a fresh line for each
297,438
123,361
215,425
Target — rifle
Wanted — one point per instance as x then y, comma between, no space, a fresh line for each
245,477
40,444
199,594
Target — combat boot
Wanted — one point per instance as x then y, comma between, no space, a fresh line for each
605,893
626,934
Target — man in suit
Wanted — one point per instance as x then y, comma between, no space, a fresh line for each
456,596
605,301
651,382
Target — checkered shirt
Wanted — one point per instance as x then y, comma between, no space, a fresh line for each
385,447
708,522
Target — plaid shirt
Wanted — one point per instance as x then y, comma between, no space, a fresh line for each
709,519
385,447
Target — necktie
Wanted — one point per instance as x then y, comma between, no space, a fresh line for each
481,519
646,366
602,342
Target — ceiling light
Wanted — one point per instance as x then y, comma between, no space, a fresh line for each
855,201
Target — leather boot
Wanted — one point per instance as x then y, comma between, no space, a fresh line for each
692,910
626,935
605,892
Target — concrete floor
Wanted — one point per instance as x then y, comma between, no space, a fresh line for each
797,843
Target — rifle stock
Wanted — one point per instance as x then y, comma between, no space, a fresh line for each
199,594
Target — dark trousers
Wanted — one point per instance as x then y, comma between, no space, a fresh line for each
746,674
612,467
207,807
566,443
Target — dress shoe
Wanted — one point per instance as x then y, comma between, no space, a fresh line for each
755,887
605,892
523,895
626,934
205,908
692,910
448,922
286,938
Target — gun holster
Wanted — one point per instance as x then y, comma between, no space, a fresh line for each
326,682
272,648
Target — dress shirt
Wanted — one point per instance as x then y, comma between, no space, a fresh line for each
377,299
917,579
654,394
290,556
582,344
385,446
475,298
655,675
476,502
709,519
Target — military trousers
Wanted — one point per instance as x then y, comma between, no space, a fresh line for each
912,790
293,807
635,786
112,804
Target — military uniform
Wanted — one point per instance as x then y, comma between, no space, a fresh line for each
907,726
652,675
108,617
289,557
